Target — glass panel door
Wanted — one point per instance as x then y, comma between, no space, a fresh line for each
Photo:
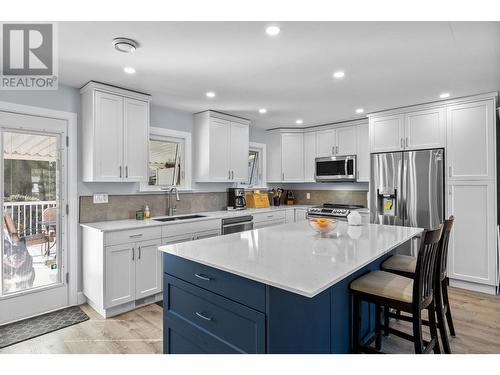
31,254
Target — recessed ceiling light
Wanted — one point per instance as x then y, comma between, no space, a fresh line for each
262,110
339,74
125,45
129,70
444,95
360,110
299,121
272,30
210,94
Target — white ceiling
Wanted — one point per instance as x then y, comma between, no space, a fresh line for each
387,65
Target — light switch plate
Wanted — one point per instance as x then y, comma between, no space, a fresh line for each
100,198
308,195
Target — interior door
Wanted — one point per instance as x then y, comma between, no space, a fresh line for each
148,269
239,152
135,126
33,158
108,139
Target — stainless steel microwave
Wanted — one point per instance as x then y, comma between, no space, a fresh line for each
335,168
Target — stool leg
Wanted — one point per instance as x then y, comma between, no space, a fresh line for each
417,332
446,304
432,325
386,320
356,322
378,328
441,319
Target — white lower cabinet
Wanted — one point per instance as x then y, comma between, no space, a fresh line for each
472,246
148,269
290,216
120,275
300,214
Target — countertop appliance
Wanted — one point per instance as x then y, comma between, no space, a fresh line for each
333,210
236,199
407,188
237,224
290,197
335,168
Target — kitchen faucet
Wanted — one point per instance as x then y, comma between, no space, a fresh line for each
171,209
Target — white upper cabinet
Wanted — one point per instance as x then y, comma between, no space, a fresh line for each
135,152
363,153
346,140
326,142
285,160
115,134
309,156
386,133
470,141
425,129
220,147
239,143
292,157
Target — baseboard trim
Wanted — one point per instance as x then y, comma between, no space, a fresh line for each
475,287
80,298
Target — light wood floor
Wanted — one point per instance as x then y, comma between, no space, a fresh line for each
476,315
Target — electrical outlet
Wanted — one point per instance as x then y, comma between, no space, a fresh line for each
308,195
100,198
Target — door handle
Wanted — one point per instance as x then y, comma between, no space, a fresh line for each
336,150
202,316
133,254
333,150
232,175
406,141
401,141
126,171
135,235
120,171
229,175
139,253
202,277
283,176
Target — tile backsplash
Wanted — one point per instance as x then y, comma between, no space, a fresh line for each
120,207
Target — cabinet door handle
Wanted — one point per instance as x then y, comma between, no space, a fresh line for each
406,141
333,150
401,141
135,235
133,253
139,253
202,316
228,175
232,175
120,171
283,176
126,171
202,277
336,149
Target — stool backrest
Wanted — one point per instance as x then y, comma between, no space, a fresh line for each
442,256
423,284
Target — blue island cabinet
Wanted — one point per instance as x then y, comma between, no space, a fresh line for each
207,310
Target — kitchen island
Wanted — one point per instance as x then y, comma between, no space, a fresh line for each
281,289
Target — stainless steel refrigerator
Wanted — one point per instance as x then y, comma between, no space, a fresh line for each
407,188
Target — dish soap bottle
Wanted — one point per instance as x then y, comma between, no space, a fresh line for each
147,212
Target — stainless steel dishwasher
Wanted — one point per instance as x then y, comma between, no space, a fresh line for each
237,224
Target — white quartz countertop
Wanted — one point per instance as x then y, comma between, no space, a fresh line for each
292,256
114,225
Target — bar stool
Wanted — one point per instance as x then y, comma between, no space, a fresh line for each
405,266
402,293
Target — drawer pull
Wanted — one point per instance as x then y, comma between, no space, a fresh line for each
203,277
200,315
136,235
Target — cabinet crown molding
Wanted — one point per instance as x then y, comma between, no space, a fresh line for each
222,116
93,86
435,104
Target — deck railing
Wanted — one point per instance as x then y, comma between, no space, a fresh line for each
27,216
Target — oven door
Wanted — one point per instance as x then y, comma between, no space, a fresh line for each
336,168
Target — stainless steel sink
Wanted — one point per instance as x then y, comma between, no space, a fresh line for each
165,219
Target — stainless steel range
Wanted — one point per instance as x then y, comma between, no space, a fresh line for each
333,210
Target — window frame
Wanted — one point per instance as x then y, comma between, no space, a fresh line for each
169,135
262,181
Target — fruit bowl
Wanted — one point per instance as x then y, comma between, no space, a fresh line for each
322,225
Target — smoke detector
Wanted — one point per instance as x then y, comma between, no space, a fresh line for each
125,45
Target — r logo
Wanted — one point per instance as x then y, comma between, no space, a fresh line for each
27,49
